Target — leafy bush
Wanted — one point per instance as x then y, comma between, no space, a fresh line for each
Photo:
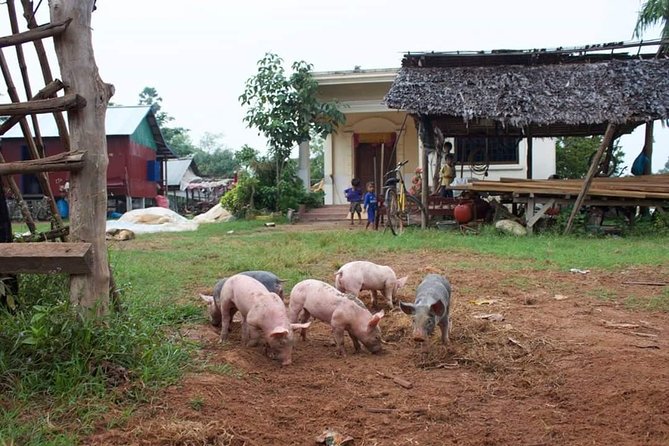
258,190
48,351
240,197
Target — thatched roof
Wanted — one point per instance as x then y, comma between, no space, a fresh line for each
549,96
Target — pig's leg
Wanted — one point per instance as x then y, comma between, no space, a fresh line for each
356,343
338,334
227,311
254,335
245,332
304,318
444,324
294,309
388,294
374,296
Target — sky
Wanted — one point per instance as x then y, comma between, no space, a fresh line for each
199,54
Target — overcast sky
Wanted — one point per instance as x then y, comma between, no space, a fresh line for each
198,54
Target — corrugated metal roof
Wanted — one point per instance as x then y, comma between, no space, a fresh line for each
176,170
122,120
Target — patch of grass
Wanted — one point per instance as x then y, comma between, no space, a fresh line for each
603,294
14,430
196,403
71,368
659,302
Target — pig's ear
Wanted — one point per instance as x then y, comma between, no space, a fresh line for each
374,321
407,308
300,326
403,281
208,299
279,333
438,308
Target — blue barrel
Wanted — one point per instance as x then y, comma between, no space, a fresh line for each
63,208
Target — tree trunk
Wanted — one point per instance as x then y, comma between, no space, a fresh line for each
88,187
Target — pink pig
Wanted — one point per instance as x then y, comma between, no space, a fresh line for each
354,277
342,312
261,311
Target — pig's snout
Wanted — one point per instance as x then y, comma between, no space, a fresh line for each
419,336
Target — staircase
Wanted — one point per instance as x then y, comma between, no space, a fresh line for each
328,213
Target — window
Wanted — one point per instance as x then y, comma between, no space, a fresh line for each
493,150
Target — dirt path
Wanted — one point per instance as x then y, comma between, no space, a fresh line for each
553,372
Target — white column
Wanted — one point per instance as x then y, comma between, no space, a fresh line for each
328,170
303,164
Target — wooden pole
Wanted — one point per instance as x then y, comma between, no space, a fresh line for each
608,137
648,148
46,71
6,236
42,178
426,134
88,187
40,32
530,154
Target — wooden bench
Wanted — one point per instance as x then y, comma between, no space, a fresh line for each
44,258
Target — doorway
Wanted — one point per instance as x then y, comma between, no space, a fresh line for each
373,157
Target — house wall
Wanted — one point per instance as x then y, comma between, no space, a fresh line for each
127,168
543,163
339,155
12,151
127,165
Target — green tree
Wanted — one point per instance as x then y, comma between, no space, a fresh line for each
178,139
573,155
149,96
284,107
665,169
654,12
317,162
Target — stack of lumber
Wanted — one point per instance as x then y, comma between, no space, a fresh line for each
641,187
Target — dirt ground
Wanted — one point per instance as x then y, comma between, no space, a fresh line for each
570,364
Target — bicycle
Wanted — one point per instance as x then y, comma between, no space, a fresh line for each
402,208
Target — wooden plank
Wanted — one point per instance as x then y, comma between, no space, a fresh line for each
37,33
44,93
46,258
532,220
67,102
608,137
72,161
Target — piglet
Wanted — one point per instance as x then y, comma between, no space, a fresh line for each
270,280
356,276
431,307
343,313
262,313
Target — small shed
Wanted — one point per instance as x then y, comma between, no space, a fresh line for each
135,145
604,89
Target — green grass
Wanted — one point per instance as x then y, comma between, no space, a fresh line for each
54,368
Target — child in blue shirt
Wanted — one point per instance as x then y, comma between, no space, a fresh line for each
370,205
354,196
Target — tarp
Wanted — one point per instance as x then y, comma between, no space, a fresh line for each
151,220
214,215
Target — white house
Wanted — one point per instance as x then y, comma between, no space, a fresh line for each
374,138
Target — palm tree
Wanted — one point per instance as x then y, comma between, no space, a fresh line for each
653,12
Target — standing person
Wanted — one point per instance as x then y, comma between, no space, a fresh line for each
354,196
370,205
447,174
